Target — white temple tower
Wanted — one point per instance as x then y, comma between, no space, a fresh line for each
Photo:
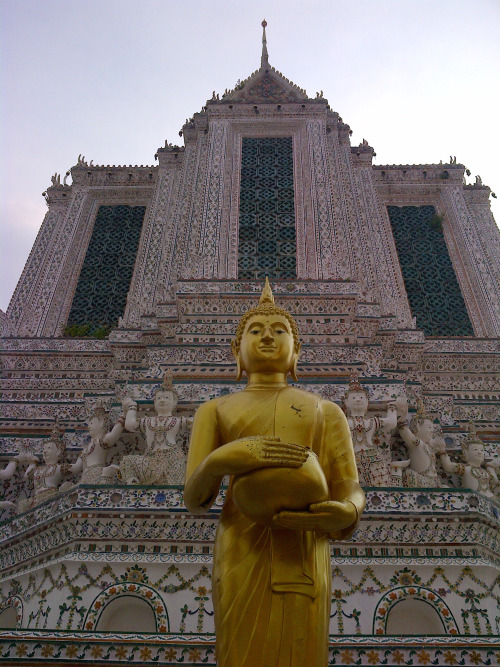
392,273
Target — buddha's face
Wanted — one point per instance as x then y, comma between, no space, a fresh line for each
356,402
475,454
267,345
50,452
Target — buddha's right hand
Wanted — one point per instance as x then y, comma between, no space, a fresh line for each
251,453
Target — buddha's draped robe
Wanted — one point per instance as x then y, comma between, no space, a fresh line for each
272,588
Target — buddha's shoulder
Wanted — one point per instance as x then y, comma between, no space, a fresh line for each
296,393
330,408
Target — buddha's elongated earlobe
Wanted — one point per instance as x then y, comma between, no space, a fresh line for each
239,369
293,369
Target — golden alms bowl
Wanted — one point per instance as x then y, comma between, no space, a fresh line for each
262,493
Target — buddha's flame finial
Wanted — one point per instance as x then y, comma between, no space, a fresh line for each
266,298
265,56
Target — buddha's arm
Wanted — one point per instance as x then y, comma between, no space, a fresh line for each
202,482
340,464
340,515
209,460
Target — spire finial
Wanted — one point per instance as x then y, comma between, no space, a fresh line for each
266,298
265,56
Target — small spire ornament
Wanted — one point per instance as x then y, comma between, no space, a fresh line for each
354,384
56,434
472,436
265,56
98,410
421,415
167,385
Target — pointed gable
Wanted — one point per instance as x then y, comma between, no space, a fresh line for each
267,86
264,85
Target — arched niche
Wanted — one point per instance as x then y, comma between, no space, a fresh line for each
414,617
127,613
127,607
11,614
8,618
413,610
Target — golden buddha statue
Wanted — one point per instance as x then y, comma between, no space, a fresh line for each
294,485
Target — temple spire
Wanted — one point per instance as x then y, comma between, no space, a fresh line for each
265,56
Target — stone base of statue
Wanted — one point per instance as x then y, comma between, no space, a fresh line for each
165,466
372,468
26,504
93,475
415,480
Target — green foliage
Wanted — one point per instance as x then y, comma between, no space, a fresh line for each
88,330
77,330
436,221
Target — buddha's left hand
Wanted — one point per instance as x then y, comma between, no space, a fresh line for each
328,517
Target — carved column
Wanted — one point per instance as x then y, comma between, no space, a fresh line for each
475,263
143,293
34,291
381,263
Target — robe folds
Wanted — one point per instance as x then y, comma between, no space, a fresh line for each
272,587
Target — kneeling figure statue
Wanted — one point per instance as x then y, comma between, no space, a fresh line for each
163,461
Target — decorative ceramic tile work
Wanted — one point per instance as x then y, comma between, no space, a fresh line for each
431,284
44,647
104,280
267,244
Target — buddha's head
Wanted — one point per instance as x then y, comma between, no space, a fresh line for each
54,447
166,397
473,447
267,339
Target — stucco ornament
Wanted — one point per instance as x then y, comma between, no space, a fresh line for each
163,461
473,473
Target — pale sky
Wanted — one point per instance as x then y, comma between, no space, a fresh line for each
112,79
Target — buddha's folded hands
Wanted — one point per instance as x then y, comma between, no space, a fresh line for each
255,452
328,516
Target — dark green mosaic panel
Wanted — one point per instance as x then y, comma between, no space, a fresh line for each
267,212
431,284
105,277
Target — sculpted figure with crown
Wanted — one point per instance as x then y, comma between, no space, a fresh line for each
92,461
46,476
9,471
423,446
293,486
374,467
473,475
163,461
